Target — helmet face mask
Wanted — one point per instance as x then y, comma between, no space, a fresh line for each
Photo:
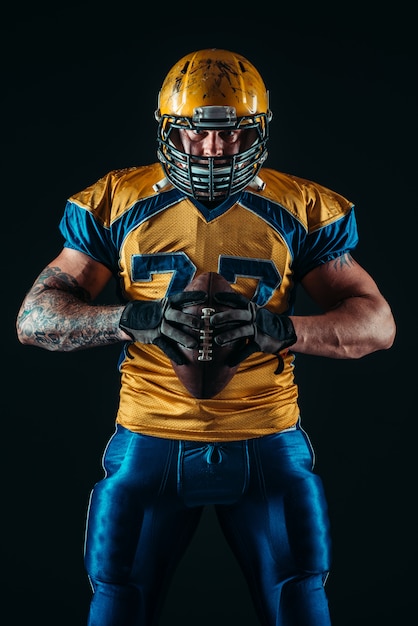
229,94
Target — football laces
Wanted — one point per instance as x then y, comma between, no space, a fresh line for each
206,336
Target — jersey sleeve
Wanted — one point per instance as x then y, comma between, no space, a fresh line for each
81,231
327,243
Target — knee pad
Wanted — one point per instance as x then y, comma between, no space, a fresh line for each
304,601
113,604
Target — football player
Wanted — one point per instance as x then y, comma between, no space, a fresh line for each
208,204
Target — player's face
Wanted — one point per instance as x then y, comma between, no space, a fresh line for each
215,143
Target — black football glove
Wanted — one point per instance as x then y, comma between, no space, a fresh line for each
163,323
265,331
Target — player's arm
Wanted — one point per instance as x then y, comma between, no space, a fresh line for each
58,312
356,318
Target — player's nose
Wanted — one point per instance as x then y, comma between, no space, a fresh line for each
213,144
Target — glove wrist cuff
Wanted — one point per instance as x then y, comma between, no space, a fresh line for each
291,337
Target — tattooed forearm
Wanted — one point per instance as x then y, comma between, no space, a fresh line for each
57,314
54,278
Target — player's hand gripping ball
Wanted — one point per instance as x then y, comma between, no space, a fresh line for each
205,371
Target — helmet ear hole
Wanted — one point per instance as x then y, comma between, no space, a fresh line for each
214,90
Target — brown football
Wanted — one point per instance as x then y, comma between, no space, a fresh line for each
205,373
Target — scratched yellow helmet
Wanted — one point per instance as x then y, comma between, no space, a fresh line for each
213,90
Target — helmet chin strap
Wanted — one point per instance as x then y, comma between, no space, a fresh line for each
257,184
164,182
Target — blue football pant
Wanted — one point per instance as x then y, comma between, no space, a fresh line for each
269,503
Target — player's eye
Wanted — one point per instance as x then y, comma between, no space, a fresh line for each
196,134
230,136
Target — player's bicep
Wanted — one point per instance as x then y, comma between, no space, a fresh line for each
337,280
74,272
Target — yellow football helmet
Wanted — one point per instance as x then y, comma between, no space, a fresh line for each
213,90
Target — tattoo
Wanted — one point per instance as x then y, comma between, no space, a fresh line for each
54,278
344,259
57,314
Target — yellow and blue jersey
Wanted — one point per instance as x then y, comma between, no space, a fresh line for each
155,242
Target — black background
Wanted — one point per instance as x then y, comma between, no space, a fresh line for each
80,85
